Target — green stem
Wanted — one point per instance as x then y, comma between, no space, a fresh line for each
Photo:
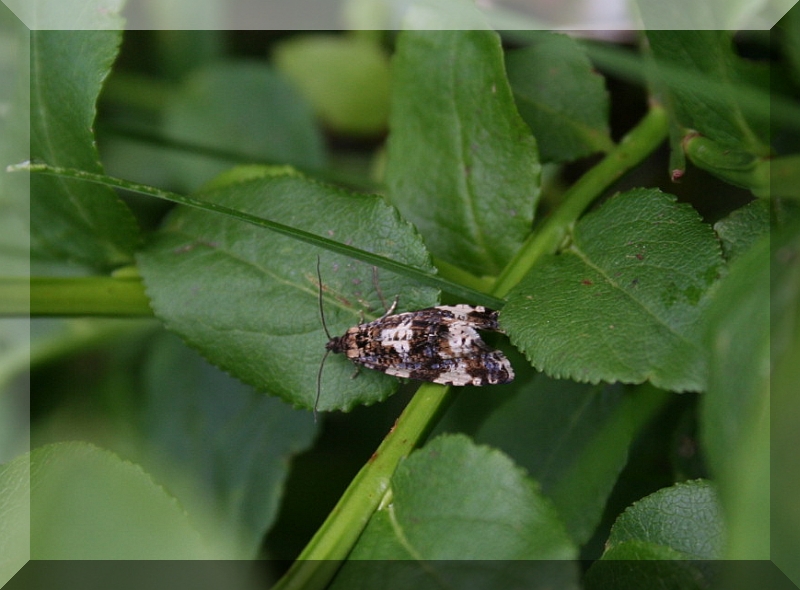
318,562
461,291
458,275
632,149
331,544
73,296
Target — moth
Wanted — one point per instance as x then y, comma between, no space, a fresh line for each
438,344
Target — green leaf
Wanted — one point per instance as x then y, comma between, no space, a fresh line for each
71,220
704,81
257,314
462,166
15,516
735,412
742,228
573,439
215,443
622,301
676,524
345,78
561,97
243,108
686,518
87,503
634,565
220,448
453,500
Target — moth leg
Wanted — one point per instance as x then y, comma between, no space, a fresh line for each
391,309
356,373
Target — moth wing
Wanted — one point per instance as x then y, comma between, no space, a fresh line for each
459,339
487,368
479,317
438,344
385,362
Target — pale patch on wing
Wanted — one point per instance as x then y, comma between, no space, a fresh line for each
462,339
398,337
457,375
398,372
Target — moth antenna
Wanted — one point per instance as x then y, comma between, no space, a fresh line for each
321,311
319,382
327,333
